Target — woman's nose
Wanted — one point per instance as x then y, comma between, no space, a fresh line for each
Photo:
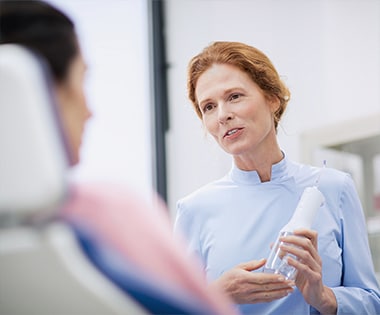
224,114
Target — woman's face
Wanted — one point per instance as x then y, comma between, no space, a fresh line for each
235,111
73,106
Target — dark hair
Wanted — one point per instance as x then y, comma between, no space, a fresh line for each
246,58
42,28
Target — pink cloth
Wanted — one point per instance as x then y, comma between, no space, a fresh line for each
143,235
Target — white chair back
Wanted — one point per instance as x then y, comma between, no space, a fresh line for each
42,268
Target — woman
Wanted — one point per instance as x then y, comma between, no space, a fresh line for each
237,93
120,233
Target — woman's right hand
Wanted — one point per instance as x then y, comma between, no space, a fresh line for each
246,287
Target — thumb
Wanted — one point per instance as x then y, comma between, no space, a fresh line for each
253,264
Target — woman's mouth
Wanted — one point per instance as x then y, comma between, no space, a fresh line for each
232,133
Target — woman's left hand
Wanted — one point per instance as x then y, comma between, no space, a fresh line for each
309,270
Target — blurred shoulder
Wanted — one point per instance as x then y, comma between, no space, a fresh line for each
110,200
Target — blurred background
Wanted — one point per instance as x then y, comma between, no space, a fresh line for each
114,37
144,131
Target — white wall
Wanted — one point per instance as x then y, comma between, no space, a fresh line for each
117,144
328,52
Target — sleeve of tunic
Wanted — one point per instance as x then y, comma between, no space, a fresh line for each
186,226
359,290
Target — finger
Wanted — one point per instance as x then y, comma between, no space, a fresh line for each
268,296
286,285
310,245
310,274
252,265
271,287
305,232
268,280
303,256
309,234
305,265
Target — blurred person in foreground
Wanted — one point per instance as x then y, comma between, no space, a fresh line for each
230,223
122,230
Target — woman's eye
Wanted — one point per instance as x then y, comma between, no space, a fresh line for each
208,107
234,96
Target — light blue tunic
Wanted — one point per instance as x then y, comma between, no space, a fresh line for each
236,218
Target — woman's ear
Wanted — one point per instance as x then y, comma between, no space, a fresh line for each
274,103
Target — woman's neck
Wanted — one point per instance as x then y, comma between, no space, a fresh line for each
260,162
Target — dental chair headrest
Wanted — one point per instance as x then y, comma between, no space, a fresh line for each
33,155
